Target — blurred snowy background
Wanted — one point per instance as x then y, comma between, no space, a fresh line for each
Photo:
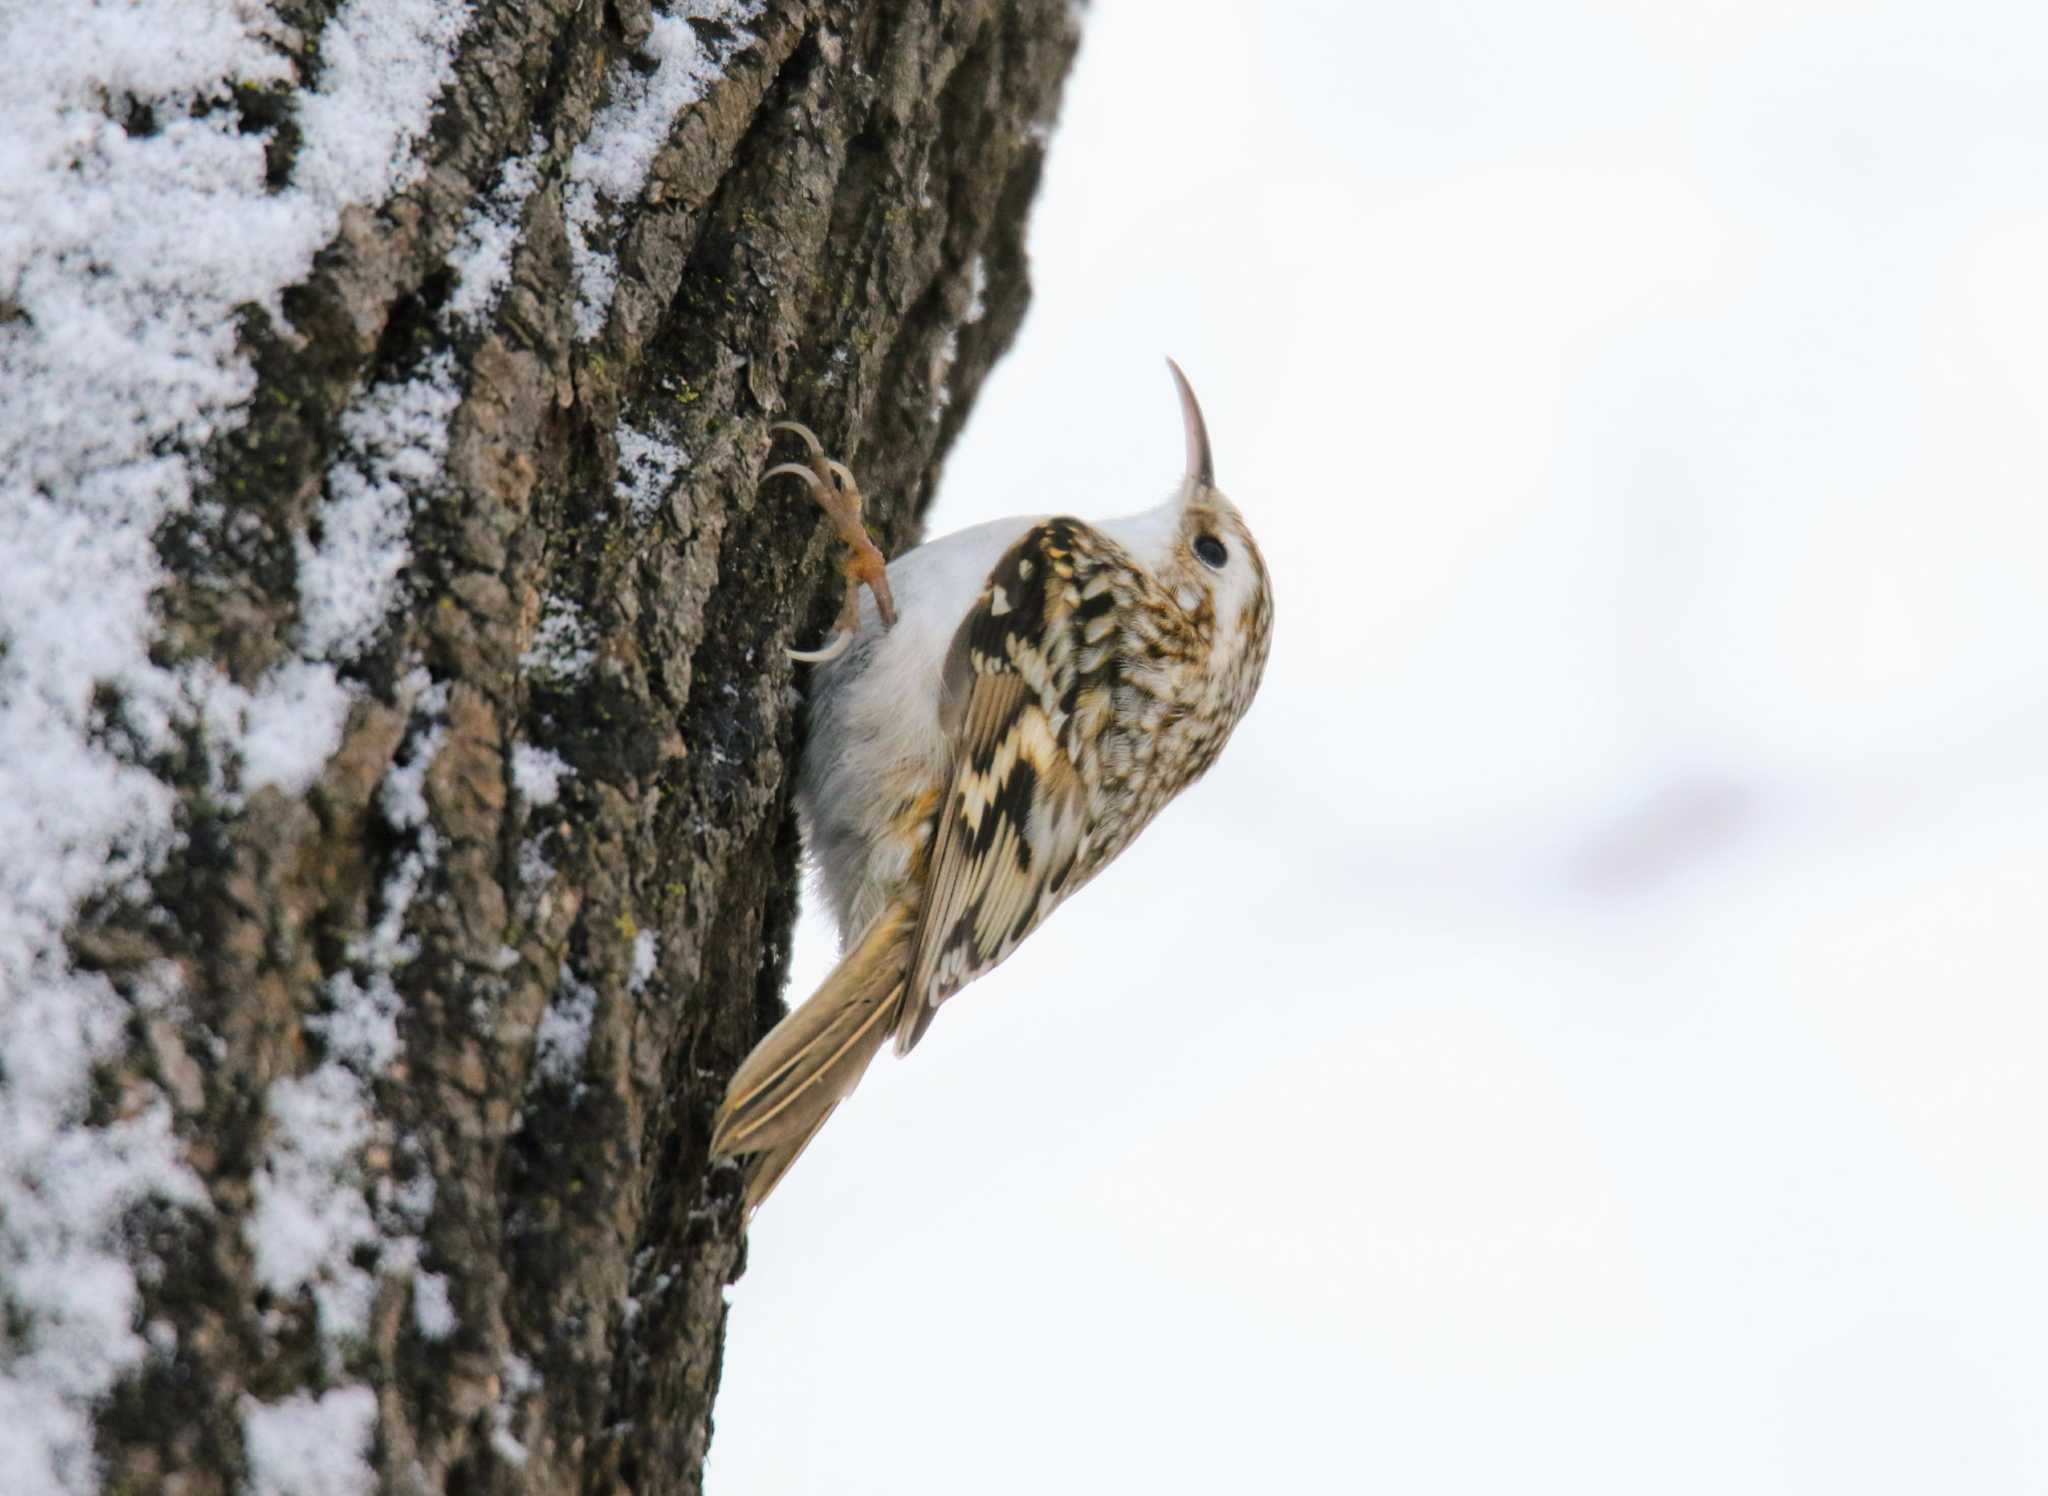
1588,1033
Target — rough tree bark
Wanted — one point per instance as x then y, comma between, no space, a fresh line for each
537,904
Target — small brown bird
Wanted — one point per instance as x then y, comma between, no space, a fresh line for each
1046,685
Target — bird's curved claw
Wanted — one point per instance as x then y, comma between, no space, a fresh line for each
825,653
798,470
832,485
809,437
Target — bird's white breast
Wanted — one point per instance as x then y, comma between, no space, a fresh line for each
875,717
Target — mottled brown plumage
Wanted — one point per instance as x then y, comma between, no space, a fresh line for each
955,795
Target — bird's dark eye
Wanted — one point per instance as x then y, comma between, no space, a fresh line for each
1213,552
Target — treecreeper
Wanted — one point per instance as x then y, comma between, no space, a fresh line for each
999,713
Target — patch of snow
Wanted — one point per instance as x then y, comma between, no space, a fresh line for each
564,1033
943,358
432,1313
313,1214
383,63
535,871
948,351
520,1380
311,1210
124,257
977,291
504,1444
292,726
646,952
537,773
648,465
311,1446
597,281
610,166
482,260
68,1189
412,1201
403,795
360,1029
396,442
536,880
564,643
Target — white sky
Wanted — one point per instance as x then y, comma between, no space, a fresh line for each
1588,1032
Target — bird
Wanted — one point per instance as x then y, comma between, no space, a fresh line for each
998,713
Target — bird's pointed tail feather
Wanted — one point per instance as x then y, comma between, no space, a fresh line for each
783,1092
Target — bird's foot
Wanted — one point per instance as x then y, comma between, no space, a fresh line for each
838,495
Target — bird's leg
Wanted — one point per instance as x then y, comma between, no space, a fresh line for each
839,496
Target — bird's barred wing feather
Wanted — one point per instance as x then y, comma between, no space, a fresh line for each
1012,823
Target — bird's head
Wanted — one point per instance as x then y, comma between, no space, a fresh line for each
1205,556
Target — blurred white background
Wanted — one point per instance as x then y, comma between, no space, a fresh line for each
1588,1033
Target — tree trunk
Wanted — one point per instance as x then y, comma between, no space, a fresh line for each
440,858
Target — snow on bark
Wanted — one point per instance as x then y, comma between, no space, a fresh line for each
648,465
312,1446
610,167
314,1222
397,437
482,260
135,219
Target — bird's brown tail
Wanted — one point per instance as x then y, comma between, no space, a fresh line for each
783,1092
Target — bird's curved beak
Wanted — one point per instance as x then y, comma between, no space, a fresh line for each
1201,467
